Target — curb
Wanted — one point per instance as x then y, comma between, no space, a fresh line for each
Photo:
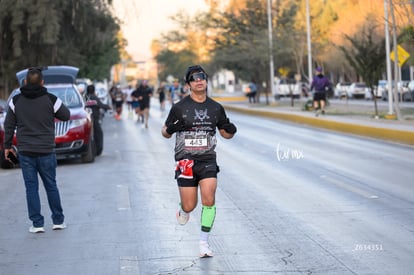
230,98
399,136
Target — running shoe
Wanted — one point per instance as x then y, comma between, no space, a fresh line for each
33,229
59,226
182,217
205,250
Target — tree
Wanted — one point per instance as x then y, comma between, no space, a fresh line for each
174,63
178,49
241,42
407,38
366,55
80,33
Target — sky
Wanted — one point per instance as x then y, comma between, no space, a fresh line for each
145,20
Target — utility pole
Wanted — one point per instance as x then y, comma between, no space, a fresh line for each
388,59
308,26
271,66
397,72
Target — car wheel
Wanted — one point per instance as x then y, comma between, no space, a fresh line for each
90,154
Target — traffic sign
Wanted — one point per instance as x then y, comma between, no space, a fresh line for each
403,55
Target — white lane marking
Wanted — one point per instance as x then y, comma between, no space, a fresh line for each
123,197
128,265
350,188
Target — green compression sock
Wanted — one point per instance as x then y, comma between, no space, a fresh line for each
208,214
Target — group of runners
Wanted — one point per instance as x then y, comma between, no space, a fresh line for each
138,100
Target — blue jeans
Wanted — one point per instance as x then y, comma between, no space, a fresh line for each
45,166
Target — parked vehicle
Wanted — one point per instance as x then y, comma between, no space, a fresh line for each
284,89
341,89
409,94
403,92
73,138
358,90
382,88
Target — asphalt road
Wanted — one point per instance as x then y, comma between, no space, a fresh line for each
291,200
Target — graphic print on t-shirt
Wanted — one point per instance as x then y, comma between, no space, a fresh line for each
199,140
201,114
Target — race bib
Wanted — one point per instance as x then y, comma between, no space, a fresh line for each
196,141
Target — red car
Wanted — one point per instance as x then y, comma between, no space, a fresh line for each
73,138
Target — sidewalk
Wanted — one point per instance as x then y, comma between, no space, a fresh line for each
351,117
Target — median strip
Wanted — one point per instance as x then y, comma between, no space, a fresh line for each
395,135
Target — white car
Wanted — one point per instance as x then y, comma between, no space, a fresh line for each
341,89
358,90
284,89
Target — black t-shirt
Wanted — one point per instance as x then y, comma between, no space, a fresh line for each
198,141
144,93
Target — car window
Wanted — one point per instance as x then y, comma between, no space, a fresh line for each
68,95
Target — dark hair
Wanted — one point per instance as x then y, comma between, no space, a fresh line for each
34,76
90,89
194,69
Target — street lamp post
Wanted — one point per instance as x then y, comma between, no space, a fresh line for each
309,41
387,50
271,66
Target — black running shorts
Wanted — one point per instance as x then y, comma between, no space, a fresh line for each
201,170
319,96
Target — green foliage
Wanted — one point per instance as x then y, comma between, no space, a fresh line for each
242,45
366,55
406,37
80,33
174,63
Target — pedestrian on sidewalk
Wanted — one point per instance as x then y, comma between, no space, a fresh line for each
319,86
252,91
195,120
32,114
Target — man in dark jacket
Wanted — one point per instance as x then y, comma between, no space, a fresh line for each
320,84
32,113
96,115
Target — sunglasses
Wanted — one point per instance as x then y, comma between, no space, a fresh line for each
197,76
